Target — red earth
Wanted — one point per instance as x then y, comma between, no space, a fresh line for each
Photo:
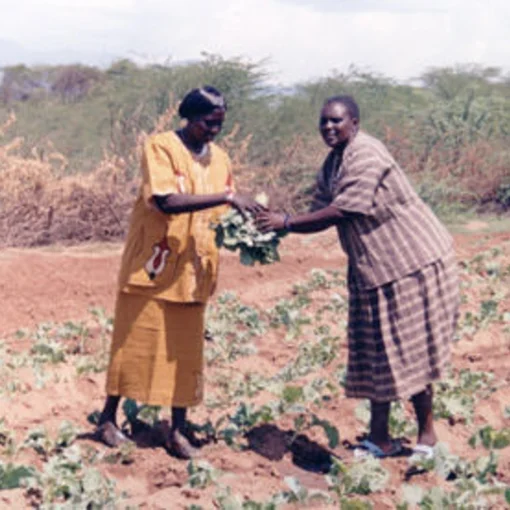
60,284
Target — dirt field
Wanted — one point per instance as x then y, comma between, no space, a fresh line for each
61,284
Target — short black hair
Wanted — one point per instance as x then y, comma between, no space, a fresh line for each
348,102
201,101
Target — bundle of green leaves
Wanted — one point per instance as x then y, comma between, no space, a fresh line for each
236,231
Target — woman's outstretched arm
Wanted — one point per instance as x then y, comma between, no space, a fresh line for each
305,223
176,203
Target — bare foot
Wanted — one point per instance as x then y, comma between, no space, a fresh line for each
385,446
427,438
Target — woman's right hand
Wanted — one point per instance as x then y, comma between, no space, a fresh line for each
243,203
268,221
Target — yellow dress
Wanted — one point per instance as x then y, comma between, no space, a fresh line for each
168,271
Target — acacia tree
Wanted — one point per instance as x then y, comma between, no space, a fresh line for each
74,82
468,104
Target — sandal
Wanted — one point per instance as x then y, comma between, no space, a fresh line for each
109,434
189,433
424,451
178,445
368,448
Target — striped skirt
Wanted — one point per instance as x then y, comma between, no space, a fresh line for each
157,351
400,333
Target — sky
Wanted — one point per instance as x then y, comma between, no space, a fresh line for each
297,40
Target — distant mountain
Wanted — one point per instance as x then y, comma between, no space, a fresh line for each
12,53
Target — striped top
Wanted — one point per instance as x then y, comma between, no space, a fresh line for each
388,231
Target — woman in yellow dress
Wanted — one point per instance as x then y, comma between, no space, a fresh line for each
169,269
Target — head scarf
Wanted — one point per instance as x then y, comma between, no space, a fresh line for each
201,101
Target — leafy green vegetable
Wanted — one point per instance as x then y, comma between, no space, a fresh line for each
12,476
364,477
237,232
202,474
491,438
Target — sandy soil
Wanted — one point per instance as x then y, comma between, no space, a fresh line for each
62,284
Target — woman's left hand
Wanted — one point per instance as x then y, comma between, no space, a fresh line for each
267,221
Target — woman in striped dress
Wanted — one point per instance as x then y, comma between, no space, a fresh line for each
403,292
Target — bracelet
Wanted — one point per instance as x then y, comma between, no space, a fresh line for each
286,222
229,197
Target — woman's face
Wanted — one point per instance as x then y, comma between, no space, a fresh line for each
336,124
205,128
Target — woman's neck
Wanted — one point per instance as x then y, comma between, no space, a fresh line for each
193,146
341,147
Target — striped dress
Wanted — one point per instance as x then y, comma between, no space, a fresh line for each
403,290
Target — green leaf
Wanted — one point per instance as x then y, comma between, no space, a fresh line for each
355,504
413,495
11,477
486,466
246,258
66,434
330,430
366,477
220,236
93,417
131,410
501,439
237,231
490,438
292,394
298,491
362,412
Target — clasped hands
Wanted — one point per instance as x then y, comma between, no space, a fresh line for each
265,220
